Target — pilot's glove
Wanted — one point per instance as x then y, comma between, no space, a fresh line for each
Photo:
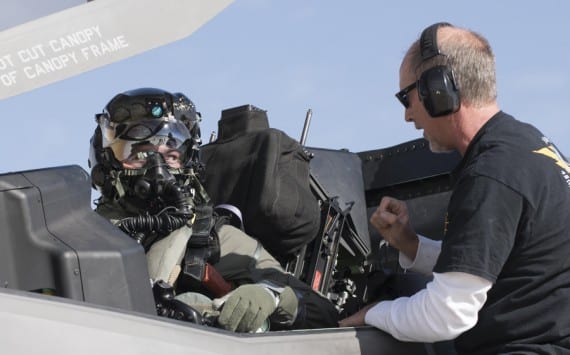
249,306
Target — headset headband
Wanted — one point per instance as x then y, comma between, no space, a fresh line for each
428,40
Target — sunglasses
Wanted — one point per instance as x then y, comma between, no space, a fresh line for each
402,95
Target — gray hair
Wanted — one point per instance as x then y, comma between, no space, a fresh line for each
471,58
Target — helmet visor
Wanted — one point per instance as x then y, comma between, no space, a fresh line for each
156,135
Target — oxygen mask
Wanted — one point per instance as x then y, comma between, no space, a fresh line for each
165,204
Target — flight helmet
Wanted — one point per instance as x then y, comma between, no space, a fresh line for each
132,122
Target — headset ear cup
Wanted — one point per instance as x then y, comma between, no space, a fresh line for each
438,91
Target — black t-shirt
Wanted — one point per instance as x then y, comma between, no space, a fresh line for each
509,222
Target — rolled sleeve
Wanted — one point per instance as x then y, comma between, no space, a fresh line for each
426,256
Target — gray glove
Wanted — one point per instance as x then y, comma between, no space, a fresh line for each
247,308
286,311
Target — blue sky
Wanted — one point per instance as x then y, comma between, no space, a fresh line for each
338,58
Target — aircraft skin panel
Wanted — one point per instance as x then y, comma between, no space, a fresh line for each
39,324
88,36
15,12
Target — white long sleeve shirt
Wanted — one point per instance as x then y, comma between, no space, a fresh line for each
447,307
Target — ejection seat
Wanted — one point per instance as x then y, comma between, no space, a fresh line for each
305,205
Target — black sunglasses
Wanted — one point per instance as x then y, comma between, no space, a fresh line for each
402,95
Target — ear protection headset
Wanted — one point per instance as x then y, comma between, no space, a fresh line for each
436,86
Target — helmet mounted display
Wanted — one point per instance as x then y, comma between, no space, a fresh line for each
185,111
135,123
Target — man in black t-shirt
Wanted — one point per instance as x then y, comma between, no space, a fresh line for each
501,275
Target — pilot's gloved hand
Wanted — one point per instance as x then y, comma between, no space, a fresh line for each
247,308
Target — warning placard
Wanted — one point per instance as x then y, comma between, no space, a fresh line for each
57,54
91,35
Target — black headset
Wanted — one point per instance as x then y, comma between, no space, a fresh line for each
436,86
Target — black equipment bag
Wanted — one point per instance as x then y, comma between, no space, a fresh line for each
264,173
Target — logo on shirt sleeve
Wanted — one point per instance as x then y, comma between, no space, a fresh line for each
553,153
